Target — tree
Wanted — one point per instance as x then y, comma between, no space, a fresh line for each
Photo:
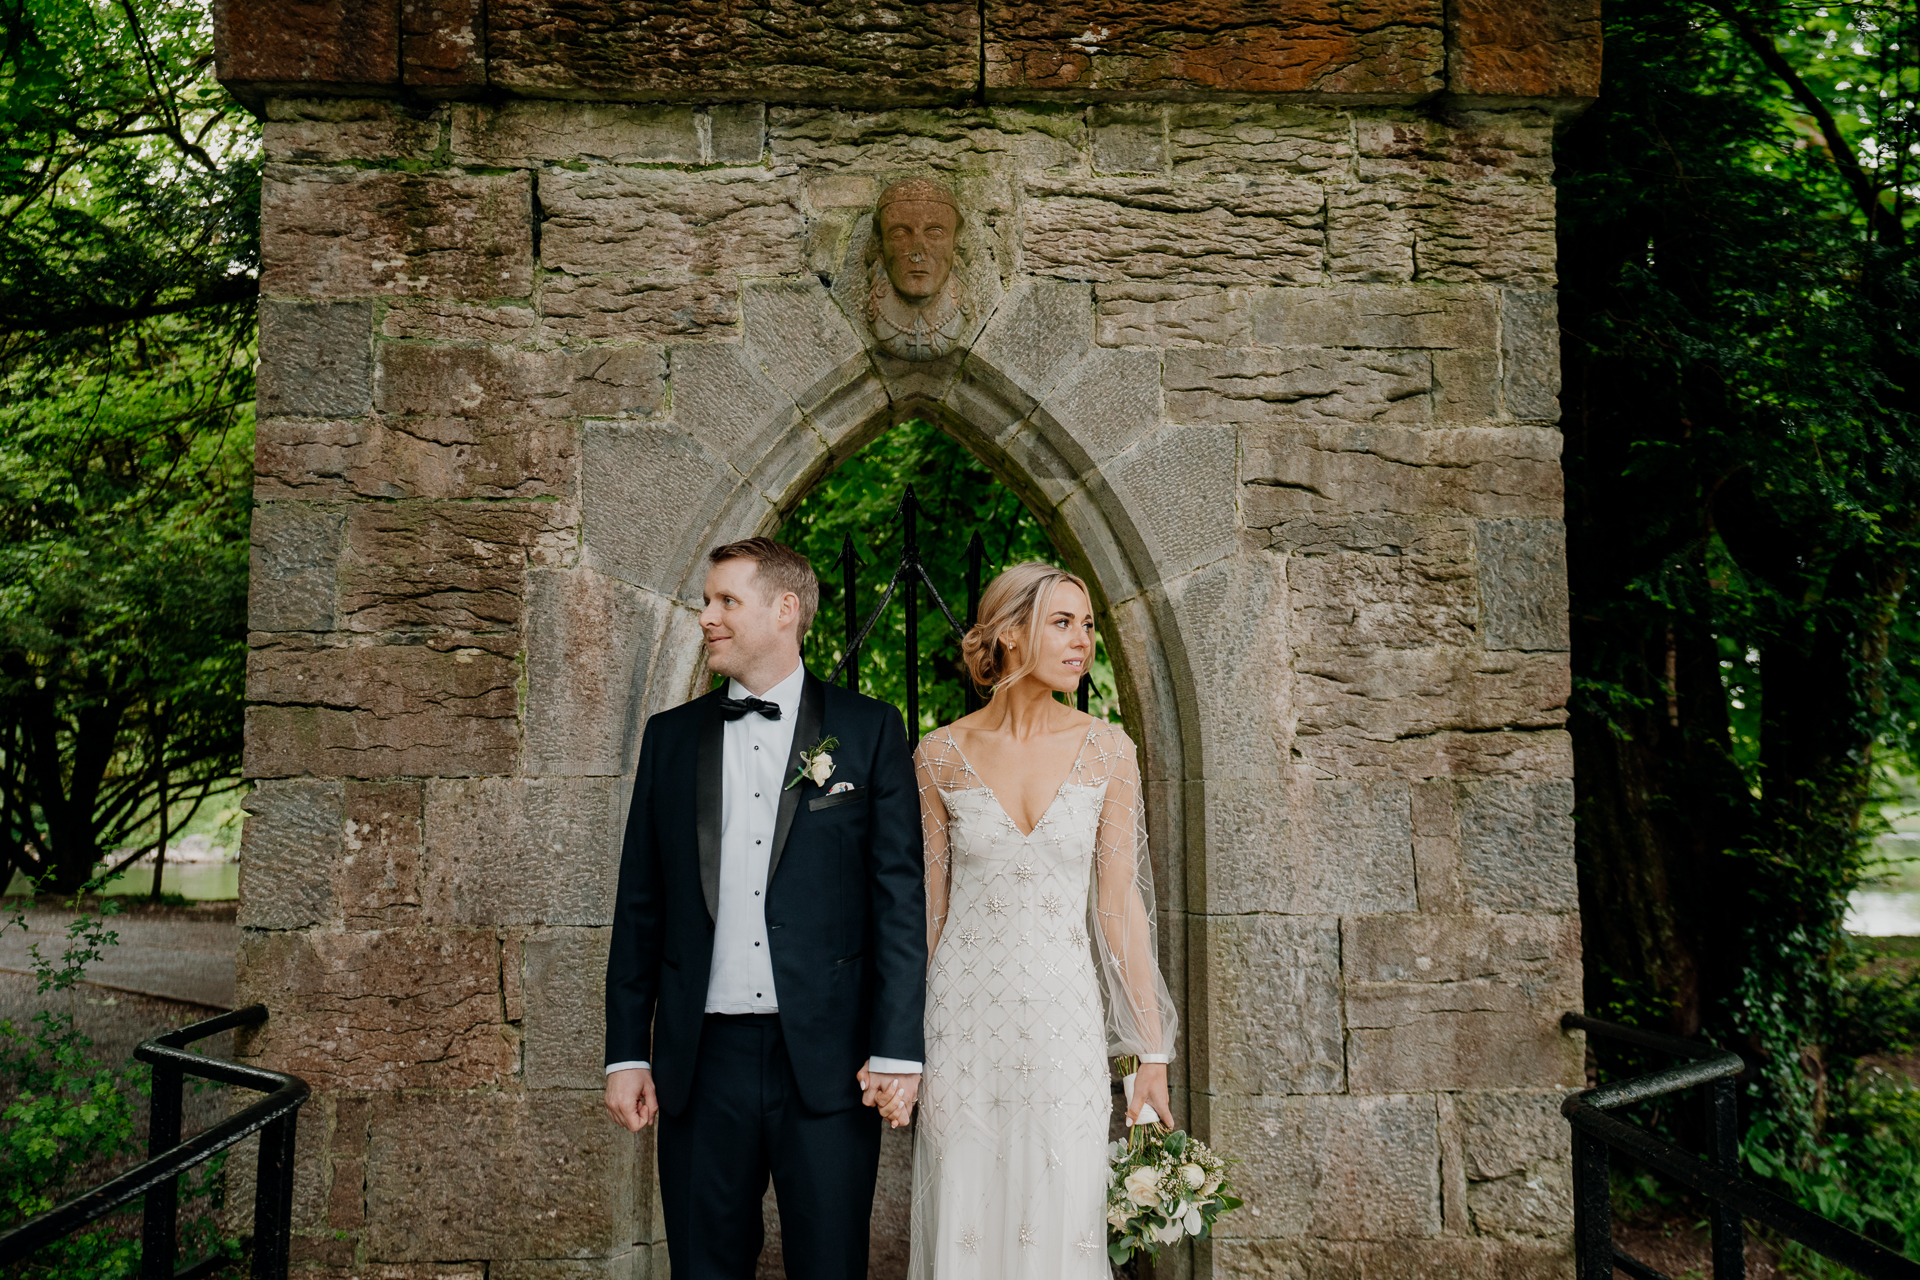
1738,311
960,497
128,249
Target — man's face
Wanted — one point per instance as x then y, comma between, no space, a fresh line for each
741,623
916,242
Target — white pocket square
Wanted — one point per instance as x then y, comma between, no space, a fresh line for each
838,787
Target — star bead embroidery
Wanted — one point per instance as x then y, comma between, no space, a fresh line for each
970,1240
967,937
1077,935
1088,1246
1024,872
995,906
1052,904
1028,1236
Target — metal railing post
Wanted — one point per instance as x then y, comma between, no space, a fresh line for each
849,583
1592,1210
1723,1137
159,1219
273,1200
911,566
976,557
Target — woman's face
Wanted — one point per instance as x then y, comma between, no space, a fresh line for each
1066,640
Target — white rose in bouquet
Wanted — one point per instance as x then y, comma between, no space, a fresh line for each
1117,1216
1143,1186
1193,1175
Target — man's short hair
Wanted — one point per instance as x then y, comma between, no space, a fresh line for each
779,569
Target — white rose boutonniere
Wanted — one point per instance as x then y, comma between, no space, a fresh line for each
816,764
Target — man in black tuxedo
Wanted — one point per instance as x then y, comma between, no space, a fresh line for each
769,959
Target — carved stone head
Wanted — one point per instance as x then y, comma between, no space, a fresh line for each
915,305
917,222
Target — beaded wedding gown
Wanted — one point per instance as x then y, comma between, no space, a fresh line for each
1043,965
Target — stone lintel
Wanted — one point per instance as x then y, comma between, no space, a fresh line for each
942,53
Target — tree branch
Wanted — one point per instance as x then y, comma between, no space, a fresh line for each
233,289
1866,193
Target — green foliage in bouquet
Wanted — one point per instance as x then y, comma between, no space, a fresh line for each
1164,1186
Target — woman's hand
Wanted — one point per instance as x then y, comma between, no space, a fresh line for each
1150,1089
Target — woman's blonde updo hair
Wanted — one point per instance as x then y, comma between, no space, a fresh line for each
1016,601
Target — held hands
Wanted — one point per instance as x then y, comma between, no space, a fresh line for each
630,1098
892,1095
1150,1089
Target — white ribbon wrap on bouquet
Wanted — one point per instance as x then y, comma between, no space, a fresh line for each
1147,1113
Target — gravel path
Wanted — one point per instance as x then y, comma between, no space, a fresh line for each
184,955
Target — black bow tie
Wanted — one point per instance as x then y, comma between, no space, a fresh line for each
734,708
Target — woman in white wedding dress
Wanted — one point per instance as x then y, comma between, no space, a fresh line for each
1043,964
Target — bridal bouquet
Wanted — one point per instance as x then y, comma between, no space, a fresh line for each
1163,1186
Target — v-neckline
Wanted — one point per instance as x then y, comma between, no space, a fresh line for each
999,804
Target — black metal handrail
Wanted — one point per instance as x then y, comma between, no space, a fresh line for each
158,1176
1733,1198
912,572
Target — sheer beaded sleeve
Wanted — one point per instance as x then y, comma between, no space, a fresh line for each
937,767
1140,1014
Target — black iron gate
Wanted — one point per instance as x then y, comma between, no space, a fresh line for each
911,572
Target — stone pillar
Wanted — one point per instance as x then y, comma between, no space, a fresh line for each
1262,327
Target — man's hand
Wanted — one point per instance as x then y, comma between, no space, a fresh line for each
630,1098
893,1095
1150,1089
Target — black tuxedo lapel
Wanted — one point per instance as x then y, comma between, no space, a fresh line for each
708,770
806,734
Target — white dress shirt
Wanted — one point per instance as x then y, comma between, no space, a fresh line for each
752,774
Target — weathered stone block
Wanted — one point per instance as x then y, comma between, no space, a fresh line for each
1334,1168
573,133
1130,139
345,232
366,710
291,845
445,565
262,47
382,1009
1462,148
647,252
440,1170
316,359
1523,584
507,851
646,534
1492,232
1459,1002
1172,315
590,639
1518,1165
377,880
1506,471
1499,52
1374,316
1038,334
1303,384
1362,600
959,142
838,52
1108,400
1090,49
1173,493
566,1010
443,46
801,340
494,382
438,320
1305,847
416,457
1516,845
1436,849
294,556
1530,352
1248,231
1227,637
1440,1258
630,1264
1241,138
736,133
721,397
1388,695
1466,386
348,129
1268,1020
